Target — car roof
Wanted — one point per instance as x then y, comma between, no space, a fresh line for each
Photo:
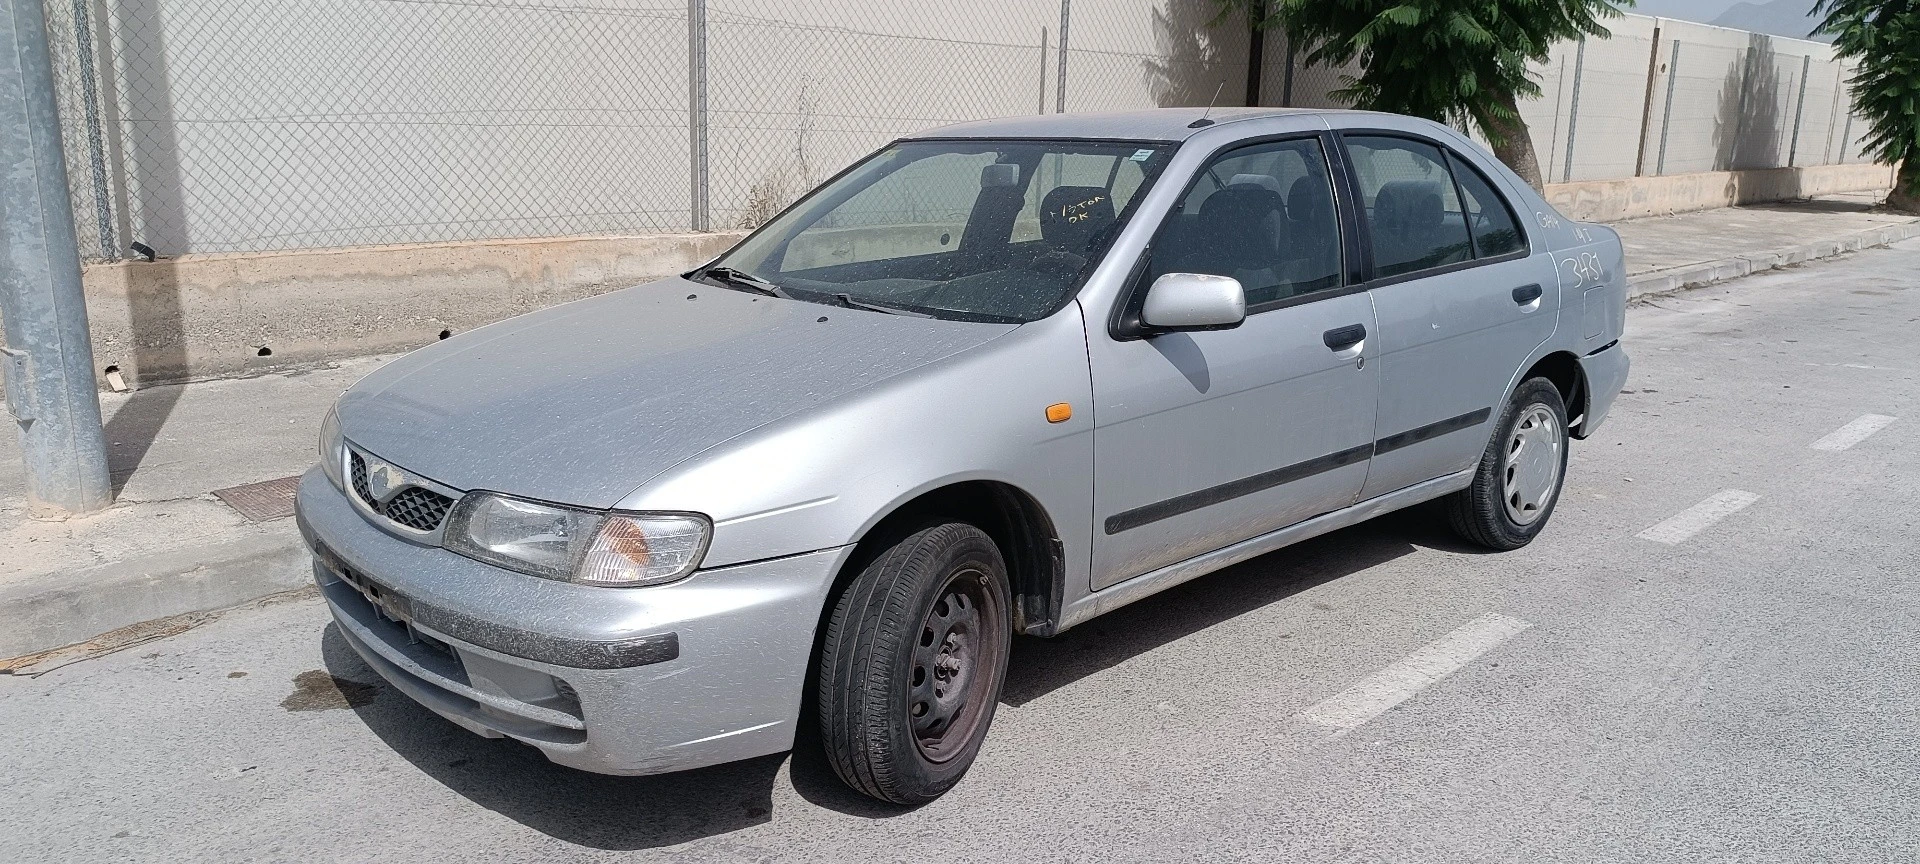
1153,124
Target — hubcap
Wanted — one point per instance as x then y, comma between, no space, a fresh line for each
1532,469
954,663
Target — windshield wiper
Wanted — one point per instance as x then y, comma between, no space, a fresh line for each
742,279
851,303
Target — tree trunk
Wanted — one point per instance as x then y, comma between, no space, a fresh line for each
1513,144
1906,187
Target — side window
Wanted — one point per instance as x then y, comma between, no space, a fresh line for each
1411,205
1263,215
1489,218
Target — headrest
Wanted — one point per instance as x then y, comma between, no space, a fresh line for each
1070,216
1310,201
1237,225
1264,181
1408,204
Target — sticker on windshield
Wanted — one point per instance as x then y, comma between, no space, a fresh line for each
1141,155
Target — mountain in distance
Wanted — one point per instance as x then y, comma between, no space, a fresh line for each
1791,18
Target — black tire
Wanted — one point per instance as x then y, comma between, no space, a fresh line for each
921,634
1480,512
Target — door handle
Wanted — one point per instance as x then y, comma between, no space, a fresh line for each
1342,338
1527,294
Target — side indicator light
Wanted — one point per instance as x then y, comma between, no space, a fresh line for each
1059,412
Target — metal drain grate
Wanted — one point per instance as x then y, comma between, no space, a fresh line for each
270,499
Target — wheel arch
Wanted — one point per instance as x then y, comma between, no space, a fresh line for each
1027,536
1562,368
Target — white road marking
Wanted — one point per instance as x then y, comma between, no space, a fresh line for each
1397,683
1699,517
1853,433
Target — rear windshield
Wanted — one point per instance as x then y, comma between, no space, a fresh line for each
972,230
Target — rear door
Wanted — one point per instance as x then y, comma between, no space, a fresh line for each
1461,298
1205,439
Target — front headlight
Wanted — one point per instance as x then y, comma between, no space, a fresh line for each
332,443
591,547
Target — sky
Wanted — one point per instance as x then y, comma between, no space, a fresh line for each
1686,10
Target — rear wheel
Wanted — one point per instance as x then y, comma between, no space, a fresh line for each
912,663
1520,474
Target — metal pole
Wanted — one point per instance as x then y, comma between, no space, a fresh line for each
1846,137
1256,50
1799,109
96,139
1286,86
1646,106
1666,117
48,361
1573,109
697,111
1043,70
1833,110
1060,78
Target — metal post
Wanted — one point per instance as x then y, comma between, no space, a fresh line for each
48,360
1833,110
1846,137
1799,109
1286,86
1256,50
1043,70
1646,106
96,138
697,111
1666,117
1060,78
1573,109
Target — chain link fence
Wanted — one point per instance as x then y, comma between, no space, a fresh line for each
220,126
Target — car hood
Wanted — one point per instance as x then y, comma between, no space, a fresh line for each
583,403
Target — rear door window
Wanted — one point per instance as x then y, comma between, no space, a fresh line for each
1411,205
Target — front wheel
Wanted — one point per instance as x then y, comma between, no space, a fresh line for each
912,663
1520,474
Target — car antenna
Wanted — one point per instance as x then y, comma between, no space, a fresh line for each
1203,121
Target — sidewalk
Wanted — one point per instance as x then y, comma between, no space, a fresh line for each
1688,250
170,547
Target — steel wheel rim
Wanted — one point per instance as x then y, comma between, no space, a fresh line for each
1530,472
957,654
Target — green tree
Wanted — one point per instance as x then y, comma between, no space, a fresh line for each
1453,61
1883,36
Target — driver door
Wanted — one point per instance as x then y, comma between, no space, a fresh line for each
1205,439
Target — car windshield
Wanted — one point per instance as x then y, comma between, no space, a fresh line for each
976,230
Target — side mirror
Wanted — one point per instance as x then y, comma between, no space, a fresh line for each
1194,301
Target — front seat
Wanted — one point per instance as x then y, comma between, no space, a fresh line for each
1234,236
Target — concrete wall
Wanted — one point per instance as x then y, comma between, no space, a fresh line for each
209,316
1634,198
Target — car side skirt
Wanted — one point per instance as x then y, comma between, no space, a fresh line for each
1153,582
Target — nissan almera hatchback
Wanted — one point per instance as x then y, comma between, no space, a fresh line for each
996,379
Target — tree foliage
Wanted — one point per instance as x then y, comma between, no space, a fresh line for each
1883,36
1455,61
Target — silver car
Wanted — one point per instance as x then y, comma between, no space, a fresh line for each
996,379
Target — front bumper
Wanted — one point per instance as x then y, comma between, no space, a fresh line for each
1606,372
611,680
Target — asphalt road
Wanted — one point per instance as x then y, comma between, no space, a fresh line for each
1743,687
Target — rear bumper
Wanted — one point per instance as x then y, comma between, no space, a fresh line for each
1606,372
610,680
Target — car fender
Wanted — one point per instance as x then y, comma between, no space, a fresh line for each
825,477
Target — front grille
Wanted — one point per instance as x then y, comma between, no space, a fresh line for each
419,509
415,507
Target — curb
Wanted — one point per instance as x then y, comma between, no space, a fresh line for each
1710,272
65,608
